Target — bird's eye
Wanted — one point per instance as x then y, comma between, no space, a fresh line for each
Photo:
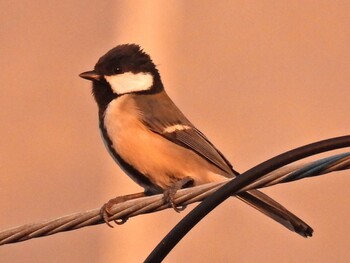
117,70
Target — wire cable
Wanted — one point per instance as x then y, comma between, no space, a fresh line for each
232,187
156,203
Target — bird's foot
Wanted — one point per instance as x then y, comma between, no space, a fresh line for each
169,194
106,209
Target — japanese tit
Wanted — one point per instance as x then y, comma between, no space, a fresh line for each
153,141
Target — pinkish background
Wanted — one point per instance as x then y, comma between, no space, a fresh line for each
257,77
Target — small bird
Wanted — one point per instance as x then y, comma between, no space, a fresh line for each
153,141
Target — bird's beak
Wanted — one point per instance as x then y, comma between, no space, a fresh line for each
91,75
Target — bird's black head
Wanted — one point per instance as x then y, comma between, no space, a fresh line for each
125,58
122,70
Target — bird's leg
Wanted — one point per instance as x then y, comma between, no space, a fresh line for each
105,211
169,194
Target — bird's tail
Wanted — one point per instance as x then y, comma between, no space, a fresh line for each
276,211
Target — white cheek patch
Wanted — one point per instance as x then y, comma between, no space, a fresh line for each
176,127
130,82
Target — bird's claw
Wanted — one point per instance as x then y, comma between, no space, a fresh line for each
169,197
106,209
169,194
106,212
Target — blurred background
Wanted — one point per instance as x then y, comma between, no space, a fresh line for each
257,77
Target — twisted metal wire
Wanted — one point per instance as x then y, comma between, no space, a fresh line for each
156,203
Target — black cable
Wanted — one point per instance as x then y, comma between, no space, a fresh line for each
199,212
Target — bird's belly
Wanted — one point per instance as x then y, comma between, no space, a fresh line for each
160,160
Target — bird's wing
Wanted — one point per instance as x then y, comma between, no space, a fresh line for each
194,140
164,118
